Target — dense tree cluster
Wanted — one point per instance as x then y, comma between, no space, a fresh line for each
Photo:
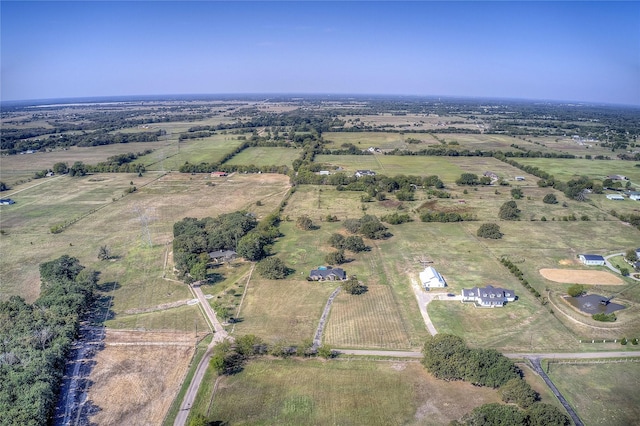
36,338
352,243
447,357
353,286
489,230
368,226
195,238
509,211
540,414
473,179
434,216
272,268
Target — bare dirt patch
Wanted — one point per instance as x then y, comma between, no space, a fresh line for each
581,276
136,378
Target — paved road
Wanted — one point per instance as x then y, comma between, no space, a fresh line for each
535,362
558,355
614,269
219,335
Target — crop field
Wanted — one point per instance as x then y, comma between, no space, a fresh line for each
195,151
293,392
265,156
603,394
137,268
370,320
565,169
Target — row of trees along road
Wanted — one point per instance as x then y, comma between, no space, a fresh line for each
36,338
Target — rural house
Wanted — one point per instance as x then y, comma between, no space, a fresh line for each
222,255
488,296
431,278
634,195
328,274
360,173
591,259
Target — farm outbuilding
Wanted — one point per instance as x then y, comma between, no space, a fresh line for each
616,197
431,278
591,259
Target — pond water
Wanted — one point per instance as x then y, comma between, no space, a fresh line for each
591,304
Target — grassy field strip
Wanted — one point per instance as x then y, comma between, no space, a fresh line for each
353,392
602,394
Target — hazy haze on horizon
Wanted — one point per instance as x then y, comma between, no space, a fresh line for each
573,51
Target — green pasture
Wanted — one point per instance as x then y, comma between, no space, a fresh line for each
265,156
205,150
295,392
489,142
447,168
382,140
565,168
602,393
21,168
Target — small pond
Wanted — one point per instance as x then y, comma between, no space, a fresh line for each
592,304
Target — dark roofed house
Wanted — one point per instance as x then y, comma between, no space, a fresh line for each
488,296
328,274
223,255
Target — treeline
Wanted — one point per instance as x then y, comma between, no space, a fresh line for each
447,357
631,218
442,151
121,163
516,272
36,338
14,144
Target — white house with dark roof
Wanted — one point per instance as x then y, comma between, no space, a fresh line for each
431,278
488,296
591,259
360,173
328,274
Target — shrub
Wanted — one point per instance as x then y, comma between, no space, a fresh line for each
550,199
353,286
509,211
518,391
575,290
604,317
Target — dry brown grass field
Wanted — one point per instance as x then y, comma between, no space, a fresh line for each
580,276
137,375
161,200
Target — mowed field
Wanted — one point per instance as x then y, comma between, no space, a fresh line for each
265,156
297,392
175,154
565,169
603,394
382,140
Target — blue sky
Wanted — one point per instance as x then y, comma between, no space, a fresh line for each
573,51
